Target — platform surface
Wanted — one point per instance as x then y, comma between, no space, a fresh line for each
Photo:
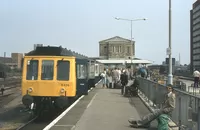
104,109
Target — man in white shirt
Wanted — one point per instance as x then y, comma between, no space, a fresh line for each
196,75
119,71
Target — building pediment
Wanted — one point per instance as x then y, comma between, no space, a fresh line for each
115,39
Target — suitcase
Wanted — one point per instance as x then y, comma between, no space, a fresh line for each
110,85
117,85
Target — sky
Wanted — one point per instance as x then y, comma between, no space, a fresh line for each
80,24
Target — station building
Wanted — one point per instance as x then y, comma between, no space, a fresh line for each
119,52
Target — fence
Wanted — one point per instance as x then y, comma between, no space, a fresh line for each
187,112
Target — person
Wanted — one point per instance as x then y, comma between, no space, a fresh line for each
124,80
104,79
196,75
133,89
168,107
115,77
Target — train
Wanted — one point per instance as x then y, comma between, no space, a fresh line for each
54,77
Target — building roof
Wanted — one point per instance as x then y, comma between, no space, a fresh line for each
125,61
116,38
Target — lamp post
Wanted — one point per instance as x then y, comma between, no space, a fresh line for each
130,20
170,76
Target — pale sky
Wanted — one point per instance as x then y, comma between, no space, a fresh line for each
80,24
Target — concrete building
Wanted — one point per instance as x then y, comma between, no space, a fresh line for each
195,36
17,58
15,61
116,48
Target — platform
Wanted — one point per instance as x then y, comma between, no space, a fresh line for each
103,109
108,111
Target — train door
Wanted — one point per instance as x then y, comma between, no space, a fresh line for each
81,74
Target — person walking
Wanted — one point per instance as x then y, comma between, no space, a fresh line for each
124,80
104,78
115,77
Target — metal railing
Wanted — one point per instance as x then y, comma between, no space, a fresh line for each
187,112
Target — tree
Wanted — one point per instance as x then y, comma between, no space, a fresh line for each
162,69
4,68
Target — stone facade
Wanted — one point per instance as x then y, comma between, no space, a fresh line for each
116,48
17,58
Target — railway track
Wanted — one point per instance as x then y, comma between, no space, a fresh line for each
182,77
7,95
5,99
186,78
38,123
9,84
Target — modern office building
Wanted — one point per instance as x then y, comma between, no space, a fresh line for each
195,36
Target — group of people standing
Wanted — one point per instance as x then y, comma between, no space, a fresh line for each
114,78
118,77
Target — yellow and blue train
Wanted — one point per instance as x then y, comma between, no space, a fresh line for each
56,76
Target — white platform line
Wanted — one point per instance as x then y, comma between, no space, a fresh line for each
97,83
73,127
64,113
65,125
91,100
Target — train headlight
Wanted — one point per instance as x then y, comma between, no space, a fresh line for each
62,90
30,90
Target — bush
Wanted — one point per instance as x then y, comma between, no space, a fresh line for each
4,68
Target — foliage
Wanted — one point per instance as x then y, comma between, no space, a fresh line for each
4,68
162,69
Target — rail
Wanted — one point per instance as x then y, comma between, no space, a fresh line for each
187,112
9,84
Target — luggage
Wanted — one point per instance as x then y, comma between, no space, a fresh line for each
163,122
110,85
117,85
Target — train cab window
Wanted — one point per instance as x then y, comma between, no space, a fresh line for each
47,70
32,70
81,71
63,70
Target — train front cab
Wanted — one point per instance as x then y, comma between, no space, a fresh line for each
48,78
82,76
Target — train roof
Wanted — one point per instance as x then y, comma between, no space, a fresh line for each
54,51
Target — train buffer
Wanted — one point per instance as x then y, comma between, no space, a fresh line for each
102,109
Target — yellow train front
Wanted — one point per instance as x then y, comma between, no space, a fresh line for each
53,77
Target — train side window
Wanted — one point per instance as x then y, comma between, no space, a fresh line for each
47,70
96,69
32,70
81,71
92,70
63,70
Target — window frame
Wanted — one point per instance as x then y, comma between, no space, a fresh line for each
27,70
42,78
68,74
78,73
